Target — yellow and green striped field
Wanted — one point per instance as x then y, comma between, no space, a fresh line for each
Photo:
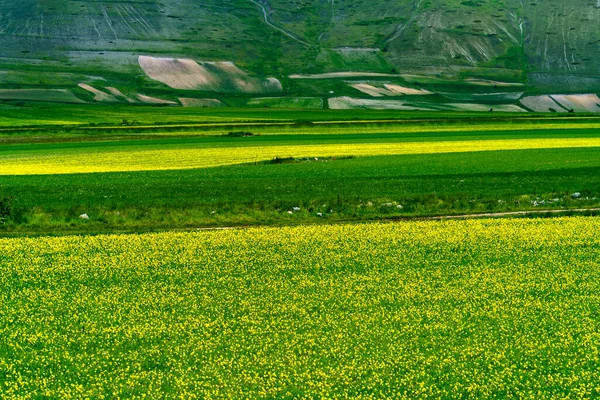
158,168
115,157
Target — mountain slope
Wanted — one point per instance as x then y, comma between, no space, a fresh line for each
550,45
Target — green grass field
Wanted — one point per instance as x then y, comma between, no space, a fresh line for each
461,309
168,168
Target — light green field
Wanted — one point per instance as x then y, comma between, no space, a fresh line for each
43,95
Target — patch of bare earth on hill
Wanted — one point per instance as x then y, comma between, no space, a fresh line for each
542,104
484,97
155,100
469,81
482,107
221,77
201,103
388,90
334,75
349,103
117,93
485,82
99,95
578,102
563,103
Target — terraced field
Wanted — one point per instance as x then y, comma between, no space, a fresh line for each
502,308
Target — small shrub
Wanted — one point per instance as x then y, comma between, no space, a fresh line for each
5,209
240,134
303,123
127,122
281,160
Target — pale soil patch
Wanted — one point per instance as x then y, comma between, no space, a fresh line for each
154,100
485,82
117,93
49,95
348,103
542,104
579,102
371,90
342,75
185,74
178,74
388,90
470,81
99,95
483,97
187,102
407,91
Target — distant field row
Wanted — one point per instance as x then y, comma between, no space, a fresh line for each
114,157
203,169
46,114
410,310
410,129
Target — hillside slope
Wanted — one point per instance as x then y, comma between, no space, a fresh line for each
552,46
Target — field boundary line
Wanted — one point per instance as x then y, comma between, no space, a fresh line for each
17,234
404,219
508,214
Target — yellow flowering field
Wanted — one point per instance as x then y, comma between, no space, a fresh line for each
459,309
114,158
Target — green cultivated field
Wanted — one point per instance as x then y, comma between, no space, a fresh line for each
141,169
